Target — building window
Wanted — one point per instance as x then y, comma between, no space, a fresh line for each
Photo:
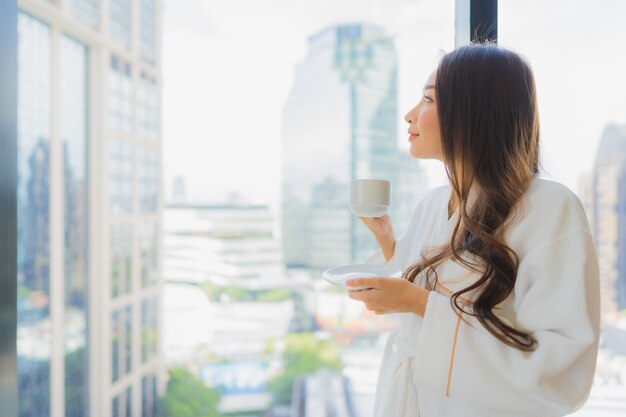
148,179
120,176
128,337
121,22
120,96
149,401
148,233
87,12
129,402
148,108
148,30
148,328
115,407
121,259
115,346
121,342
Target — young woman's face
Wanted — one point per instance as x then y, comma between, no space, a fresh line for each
425,135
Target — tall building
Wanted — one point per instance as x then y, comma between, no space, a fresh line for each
608,216
340,123
89,204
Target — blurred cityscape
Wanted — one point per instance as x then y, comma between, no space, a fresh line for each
130,305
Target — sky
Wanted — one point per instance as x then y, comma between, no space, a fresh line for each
228,68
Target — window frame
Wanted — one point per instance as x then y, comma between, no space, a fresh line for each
8,207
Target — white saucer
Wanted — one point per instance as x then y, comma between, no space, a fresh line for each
338,275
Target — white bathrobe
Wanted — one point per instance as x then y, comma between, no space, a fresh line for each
438,365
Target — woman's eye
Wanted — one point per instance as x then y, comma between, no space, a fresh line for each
427,99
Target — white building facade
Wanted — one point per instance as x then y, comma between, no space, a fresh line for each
89,161
226,245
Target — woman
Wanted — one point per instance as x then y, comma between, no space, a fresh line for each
499,308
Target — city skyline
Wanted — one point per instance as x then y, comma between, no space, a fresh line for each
252,75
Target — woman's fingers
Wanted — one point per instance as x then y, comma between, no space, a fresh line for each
371,283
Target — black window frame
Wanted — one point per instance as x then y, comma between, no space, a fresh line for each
8,208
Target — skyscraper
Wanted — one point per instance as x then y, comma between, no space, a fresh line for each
89,205
608,216
339,123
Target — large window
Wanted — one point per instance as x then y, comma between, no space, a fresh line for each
582,96
270,110
281,109
88,167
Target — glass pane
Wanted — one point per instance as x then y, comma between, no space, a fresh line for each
121,22
129,402
281,115
147,30
34,334
148,108
128,338
74,110
115,346
582,96
149,180
115,407
149,247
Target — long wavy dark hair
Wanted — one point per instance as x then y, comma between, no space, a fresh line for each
487,108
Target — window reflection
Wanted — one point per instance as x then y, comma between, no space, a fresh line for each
34,335
74,93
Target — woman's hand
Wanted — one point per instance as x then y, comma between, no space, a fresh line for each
383,231
379,226
389,295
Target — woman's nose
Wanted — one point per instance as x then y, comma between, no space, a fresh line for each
410,116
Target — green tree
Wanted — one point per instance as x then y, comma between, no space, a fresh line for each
304,353
269,296
187,396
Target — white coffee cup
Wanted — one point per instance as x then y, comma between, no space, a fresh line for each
370,198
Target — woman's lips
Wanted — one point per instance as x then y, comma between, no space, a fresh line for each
412,136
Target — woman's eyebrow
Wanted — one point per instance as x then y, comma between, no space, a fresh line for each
426,87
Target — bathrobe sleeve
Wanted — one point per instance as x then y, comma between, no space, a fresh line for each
556,299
